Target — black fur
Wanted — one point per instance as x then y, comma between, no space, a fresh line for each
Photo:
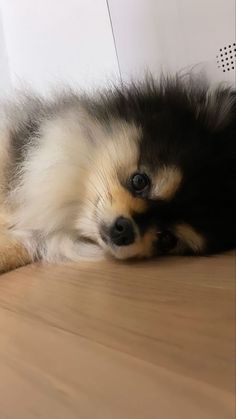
185,125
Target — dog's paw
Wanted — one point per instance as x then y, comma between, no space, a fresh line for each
12,253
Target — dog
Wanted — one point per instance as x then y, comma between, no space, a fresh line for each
135,171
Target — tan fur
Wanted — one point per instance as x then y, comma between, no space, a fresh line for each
141,248
166,182
4,159
144,247
190,238
12,252
123,203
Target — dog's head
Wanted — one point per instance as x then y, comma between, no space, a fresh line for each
163,176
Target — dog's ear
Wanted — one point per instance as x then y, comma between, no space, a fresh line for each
218,109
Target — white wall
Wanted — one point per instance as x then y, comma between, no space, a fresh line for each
5,81
54,40
173,35
48,41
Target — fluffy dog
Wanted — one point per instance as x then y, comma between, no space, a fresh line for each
136,171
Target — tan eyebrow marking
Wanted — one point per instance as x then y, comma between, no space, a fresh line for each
166,182
124,203
191,237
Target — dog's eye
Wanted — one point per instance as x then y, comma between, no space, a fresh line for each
166,241
140,182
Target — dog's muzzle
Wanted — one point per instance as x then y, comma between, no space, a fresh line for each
120,233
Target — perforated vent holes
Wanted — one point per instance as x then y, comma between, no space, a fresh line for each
226,58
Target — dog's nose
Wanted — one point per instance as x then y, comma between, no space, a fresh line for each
122,232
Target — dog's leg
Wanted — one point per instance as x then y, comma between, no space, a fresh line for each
12,253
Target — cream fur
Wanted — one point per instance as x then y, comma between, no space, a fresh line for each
53,201
69,181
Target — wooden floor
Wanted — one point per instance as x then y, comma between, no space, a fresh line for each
150,340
